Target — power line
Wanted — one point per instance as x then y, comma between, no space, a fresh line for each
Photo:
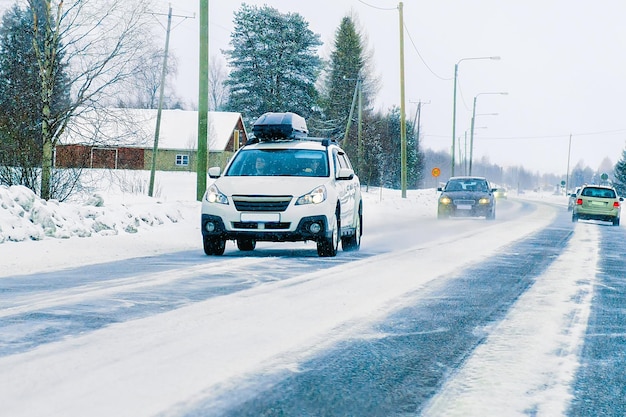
376,7
422,58
605,132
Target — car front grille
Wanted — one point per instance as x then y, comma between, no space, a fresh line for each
464,202
266,226
261,202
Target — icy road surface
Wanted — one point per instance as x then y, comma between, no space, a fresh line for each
465,317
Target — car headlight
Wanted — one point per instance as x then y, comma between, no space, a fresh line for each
483,201
445,200
316,196
214,195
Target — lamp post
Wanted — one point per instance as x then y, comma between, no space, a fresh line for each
465,152
456,72
471,155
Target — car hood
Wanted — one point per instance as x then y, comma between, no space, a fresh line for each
295,186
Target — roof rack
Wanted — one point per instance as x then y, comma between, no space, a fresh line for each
280,126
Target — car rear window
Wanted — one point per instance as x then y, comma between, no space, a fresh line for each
598,192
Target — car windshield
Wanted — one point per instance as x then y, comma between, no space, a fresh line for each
471,184
598,192
279,162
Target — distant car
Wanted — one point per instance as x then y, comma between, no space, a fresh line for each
500,193
467,197
571,201
284,186
597,202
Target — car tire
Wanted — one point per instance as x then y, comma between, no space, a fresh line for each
616,221
491,215
442,215
214,245
574,217
353,243
246,244
327,246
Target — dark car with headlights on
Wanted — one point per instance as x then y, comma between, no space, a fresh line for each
467,197
597,202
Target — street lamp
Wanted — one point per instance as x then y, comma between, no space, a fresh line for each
456,72
465,152
472,128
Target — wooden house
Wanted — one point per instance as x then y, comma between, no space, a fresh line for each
124,139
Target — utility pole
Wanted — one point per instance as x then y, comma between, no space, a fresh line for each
402,111
155,147
359,135
569,152
203,100
157,130
416,127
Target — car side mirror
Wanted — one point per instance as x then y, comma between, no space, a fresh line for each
439,188
214,172
345,174
493,190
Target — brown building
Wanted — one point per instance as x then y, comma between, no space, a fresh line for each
124,139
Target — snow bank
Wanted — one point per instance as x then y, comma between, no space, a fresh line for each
24,216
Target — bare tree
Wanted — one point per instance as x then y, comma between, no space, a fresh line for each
141,91
218,92
102,44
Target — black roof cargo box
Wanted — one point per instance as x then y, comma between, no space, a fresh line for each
280,126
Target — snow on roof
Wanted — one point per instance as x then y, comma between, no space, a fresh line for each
136,128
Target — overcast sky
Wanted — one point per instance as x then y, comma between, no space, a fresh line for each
562,65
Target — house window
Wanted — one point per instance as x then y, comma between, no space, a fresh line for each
182,160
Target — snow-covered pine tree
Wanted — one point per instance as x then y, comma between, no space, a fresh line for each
274,63
619,174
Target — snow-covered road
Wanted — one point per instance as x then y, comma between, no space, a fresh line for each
193,354
153,364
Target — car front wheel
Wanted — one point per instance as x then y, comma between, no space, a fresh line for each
246,244
353,243
327,247
214,245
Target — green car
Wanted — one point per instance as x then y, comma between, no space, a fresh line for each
500,193
597,202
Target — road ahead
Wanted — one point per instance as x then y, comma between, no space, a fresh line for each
461,317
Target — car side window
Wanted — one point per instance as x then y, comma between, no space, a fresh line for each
341,160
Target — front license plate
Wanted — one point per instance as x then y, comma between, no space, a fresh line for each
463,207
260,217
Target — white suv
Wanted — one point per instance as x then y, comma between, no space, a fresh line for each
284,187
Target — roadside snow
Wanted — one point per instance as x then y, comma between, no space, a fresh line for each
122,222
24,216
529,359
159,363
141,367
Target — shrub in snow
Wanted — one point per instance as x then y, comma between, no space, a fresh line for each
95,200
40,215
23,196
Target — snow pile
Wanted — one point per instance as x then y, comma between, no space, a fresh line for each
24,216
